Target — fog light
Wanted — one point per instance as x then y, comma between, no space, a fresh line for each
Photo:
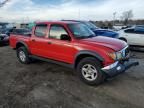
118,68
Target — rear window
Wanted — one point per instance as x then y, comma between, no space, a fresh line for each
129,31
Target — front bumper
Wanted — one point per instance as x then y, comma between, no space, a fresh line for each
118,67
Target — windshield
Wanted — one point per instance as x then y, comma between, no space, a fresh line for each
81,31
90,25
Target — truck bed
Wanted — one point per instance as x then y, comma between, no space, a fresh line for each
15,38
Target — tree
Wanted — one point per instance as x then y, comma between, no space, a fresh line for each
3,2
126,16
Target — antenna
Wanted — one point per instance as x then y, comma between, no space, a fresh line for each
114,16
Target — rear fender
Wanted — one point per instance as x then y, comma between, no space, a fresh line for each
21,43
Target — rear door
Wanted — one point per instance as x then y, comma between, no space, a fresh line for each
38,42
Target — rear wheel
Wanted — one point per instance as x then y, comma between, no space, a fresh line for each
89,70
22,55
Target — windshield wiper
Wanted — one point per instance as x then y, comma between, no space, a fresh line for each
91,36
84,37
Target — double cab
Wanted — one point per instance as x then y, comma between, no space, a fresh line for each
74,45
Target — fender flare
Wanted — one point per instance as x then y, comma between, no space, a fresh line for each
91,53
25,45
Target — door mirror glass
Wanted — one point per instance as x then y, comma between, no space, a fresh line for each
65,37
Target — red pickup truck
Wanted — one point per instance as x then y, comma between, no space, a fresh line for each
74,45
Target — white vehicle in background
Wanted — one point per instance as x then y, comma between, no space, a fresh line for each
133,36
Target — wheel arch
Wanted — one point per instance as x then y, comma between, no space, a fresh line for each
22,44
123,38
84,54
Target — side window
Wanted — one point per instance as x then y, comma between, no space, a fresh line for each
139,30
40,30
129,31
56,32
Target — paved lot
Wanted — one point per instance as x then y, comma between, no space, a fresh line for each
45,85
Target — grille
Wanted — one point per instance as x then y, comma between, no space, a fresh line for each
127,51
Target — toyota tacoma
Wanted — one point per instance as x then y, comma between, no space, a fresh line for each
74,45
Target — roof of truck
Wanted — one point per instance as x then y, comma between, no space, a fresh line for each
58,22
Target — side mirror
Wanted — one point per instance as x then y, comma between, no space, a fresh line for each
65,37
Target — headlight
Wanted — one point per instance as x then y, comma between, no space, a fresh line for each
115,55
112,55
119,55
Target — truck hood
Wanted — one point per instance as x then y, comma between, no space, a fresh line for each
112,43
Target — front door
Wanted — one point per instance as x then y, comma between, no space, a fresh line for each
60,49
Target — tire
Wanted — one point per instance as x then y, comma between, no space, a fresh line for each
89,70
123,39
23,55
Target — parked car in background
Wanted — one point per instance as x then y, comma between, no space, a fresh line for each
4,39
5,29
139,26
5,32
74,45
98,31
133,36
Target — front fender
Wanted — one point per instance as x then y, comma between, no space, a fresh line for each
86,53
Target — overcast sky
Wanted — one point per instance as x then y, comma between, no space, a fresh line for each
23,10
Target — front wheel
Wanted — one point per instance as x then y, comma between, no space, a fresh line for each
89,70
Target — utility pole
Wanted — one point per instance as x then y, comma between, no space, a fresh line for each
114,16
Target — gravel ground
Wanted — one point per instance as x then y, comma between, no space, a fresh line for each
45,85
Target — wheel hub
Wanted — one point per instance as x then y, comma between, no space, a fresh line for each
89,72
22,56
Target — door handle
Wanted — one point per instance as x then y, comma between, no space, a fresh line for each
33,40
49,43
